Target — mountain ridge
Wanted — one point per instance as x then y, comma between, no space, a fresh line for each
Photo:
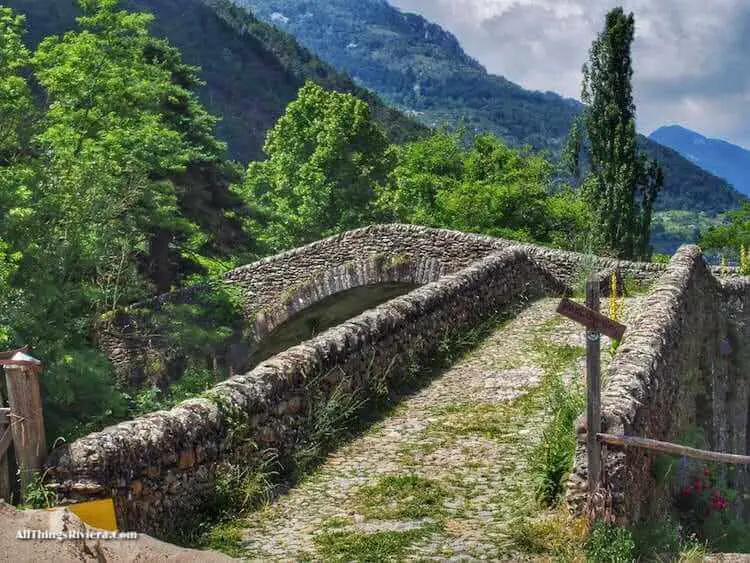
717,156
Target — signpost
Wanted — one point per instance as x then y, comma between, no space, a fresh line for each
596,324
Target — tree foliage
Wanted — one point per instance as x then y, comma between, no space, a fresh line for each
488,188
96,183
623,185
731,235
326,156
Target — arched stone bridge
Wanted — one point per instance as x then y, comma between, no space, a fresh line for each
292,296
406,286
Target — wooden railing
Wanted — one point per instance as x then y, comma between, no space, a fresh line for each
595,324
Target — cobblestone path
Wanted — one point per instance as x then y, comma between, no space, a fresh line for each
446,475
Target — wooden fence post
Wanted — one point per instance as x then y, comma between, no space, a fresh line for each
5,441
26,418
593,390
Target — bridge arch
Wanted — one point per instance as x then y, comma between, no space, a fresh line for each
326,299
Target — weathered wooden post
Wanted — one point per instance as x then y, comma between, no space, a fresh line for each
25,417
596,324
5,441
593,390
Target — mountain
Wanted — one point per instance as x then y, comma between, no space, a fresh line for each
421,69
251,69
721,158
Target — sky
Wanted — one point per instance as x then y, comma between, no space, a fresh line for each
691,57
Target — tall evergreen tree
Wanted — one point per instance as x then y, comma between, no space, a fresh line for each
623,186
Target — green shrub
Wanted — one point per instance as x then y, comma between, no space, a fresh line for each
39,494
552,459
192,383
706,505
610,544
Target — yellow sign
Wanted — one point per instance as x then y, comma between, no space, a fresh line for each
97,513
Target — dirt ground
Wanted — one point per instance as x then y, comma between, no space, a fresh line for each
144,548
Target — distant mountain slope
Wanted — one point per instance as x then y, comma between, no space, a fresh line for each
721,158
252,70
420,68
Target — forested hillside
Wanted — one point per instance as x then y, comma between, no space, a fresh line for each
719,157
422,69
251,70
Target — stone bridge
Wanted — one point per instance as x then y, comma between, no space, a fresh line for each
404,287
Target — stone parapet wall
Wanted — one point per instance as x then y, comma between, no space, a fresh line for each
674,369
160,468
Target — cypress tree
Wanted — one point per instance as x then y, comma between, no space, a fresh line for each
623,185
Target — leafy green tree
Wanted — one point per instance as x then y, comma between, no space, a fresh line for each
326,158
730,236
16,113
502,192
424,169
572,152
623,187
100,187
488,188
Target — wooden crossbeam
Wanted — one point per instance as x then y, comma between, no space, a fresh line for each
591,318
676,449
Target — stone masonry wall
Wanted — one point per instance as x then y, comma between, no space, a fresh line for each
677,367
160,467
277,288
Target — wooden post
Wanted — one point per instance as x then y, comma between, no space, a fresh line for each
593,389
26,418
5,439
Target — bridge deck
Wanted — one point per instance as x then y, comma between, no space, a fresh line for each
447,474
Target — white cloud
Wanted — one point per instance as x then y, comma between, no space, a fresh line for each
690,56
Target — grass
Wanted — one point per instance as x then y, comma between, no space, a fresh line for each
494,421
555,533
372,547
226,538
551,460
610,544
402,496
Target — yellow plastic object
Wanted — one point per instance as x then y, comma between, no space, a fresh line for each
97,513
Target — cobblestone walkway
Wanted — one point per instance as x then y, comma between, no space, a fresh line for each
445,476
